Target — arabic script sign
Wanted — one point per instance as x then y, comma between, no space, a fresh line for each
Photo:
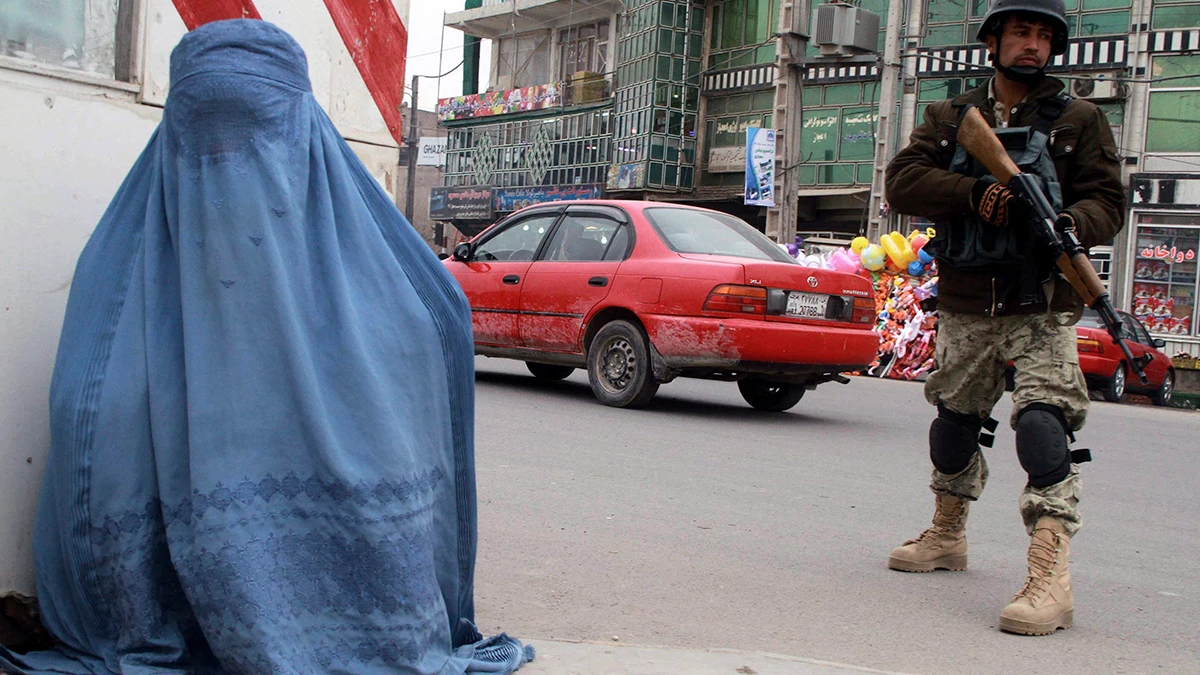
1164,253
511,199
460,203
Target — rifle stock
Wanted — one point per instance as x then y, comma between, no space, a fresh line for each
980,142
978,139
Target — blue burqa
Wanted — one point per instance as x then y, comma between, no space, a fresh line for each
262,409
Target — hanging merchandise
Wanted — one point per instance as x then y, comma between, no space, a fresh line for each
905,275
907,333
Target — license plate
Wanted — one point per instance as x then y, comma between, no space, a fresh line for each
807,305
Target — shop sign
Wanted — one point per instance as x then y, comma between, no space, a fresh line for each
627,176
760,167
1164,253
511,199
461,203
504,102
727,160
432,151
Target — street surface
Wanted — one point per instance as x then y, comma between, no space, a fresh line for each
701,523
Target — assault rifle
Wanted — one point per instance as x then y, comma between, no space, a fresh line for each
977,138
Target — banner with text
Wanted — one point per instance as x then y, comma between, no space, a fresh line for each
760,167
503,102
461,203
432,151
511,199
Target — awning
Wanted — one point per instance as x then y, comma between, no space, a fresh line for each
500,18
832,191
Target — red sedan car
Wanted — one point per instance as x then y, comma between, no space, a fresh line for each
1105,366
640,293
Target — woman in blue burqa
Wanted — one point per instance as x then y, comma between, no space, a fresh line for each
262,409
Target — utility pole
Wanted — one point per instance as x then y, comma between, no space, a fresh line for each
908,102
789,76
413,143
471,55
1133,137
887,123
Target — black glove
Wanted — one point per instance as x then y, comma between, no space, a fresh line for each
996,205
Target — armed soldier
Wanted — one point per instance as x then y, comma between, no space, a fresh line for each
1000,299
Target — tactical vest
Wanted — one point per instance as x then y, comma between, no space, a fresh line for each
969,244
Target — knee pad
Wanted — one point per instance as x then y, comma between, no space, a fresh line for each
1042,444
953,440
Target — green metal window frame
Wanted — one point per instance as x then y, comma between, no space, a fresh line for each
658,90
1165,16
580,145
737,33
1173,121
1093,18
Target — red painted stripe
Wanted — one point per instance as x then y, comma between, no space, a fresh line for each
371,30
199,12
378,42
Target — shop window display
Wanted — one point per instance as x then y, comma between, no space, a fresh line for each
1165,275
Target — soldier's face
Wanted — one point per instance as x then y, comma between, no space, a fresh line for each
1025,43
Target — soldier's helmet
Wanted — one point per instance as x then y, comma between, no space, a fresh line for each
1054,11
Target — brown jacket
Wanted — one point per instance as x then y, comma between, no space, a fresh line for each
1088,166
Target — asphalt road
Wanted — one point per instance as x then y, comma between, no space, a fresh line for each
700,522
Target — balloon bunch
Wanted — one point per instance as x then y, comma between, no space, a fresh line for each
895,253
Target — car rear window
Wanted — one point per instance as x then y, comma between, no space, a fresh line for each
708,233
1090,319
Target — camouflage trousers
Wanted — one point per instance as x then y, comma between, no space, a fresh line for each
972,354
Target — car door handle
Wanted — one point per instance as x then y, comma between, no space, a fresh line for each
598,281
511,279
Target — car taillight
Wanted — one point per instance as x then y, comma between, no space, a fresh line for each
864,310
737,299
1090,346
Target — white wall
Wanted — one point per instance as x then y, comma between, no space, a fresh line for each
66,144
66,150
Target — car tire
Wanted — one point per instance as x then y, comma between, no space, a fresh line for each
619,366
1166,391
770,396
1114,391
549,372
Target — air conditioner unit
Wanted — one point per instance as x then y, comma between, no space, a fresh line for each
841,29
1090,88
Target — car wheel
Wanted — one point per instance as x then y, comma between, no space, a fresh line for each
1166,391
1115,391
546,371
770,396
619,366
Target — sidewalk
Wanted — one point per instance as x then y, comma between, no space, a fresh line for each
598,658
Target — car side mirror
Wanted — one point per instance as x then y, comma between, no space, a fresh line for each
462,252
1159,343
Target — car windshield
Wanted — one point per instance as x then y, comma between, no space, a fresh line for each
708,233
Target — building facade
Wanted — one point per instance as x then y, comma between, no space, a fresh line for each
82,86
682,81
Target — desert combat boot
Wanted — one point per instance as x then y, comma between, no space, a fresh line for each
1046,603
941,547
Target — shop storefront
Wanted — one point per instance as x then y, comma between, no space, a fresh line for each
1163,282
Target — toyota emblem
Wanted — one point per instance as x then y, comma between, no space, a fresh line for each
812,281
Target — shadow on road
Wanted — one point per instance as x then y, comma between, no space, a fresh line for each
528,383
664,402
